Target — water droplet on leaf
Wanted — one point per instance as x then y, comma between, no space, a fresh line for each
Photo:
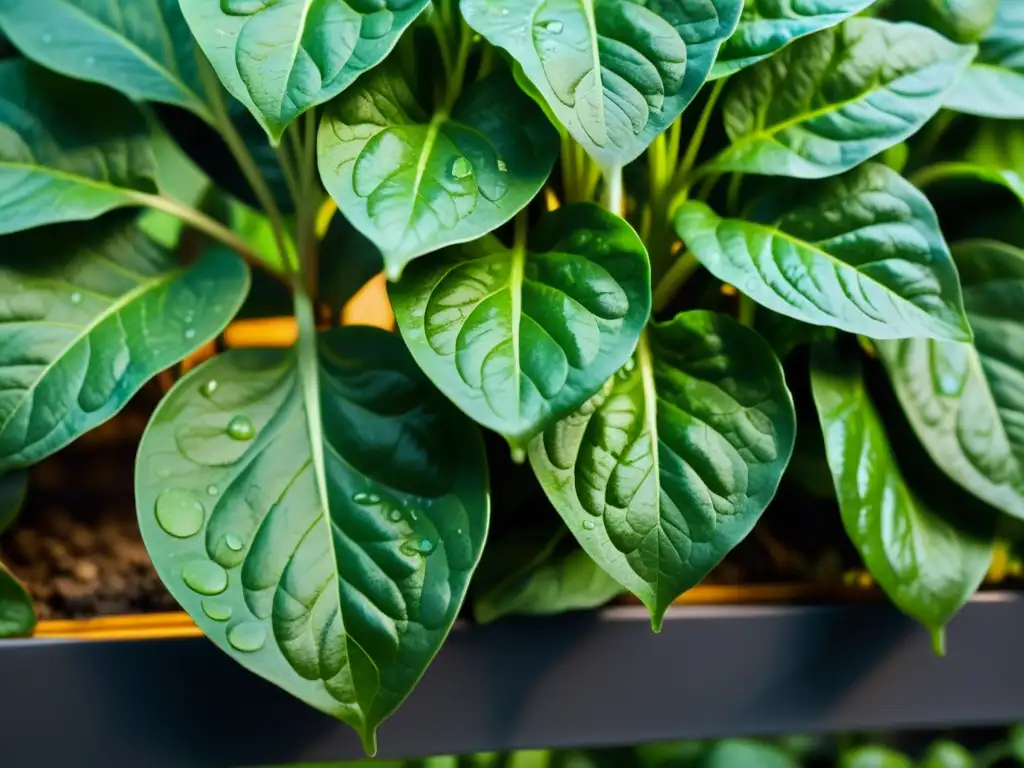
589,525
208,388
248,637
233,543
414,547
395,516
190,333
241,428
461,168
180,513
217,610
366,499
502,167
554,27
76,298
213,490
204,577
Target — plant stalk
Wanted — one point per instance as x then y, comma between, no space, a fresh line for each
614,195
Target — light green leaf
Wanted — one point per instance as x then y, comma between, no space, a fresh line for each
413,183
966,401
616,72
283,58
926,565
1011,180
875,756
519,337
319,512
962,21
993,86
670,466
92,312
142,48
747,753
68,151
998,144
767,26
862,252
948,754
832,100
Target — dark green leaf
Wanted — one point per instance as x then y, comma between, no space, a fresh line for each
520,337
347,262
962,21
768,27
615,72
862,252
414,183
670,466
926,565
319,512
993,86
832,100
966,401
68,151
282,58
13,487
93,311
17,614
1011,180
142,48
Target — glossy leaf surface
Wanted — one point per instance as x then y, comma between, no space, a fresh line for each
413,183
862,252
670,466
962,21
993,86
282,57
966,401
142,48
832,100
90,313
767,26
926,566
319,512
519,337
17,614
68,151
616,73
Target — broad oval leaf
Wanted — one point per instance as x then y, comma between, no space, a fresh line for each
962,21
616,73
68,151
142,48
862,252
993,86
413,183
927,566
91,312
1010,180
319,513
283,57
966,401
832,100
670,466
766,27
519,337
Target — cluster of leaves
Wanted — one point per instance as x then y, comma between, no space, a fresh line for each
320,510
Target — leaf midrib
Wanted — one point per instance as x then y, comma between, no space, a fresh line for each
84,181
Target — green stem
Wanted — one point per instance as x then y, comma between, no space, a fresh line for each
613,198
690,158
437,21
308,203
732,196
675,136
939,171
458,74
748,308
675,278
933,133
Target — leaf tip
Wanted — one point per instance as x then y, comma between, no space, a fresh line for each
369,738
939,641
658,618
393,272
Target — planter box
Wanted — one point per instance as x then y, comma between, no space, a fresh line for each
598,679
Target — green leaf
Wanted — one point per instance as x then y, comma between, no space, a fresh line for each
962,21
926,565
413,183
765,28
998,144
747,753
862,252
615,72
966,401
670,466
874,756
832,100
142,48
993,86
519,337
347,262
319,513
13,488
1011,180
93,311
283,58
17,614
68,151
948,754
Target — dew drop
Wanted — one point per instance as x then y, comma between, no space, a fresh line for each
589,525
364,499
232,542
208,388
76,298
554,27
217,610
241,428
180,513
502,167
461,168
247,637
213,490
414,547
581,239
244,7
190,333
204,577
395,516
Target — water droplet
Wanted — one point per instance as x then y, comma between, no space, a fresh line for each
458,530
244,7
412,514
589,525
190,333
204,577
213,490
554,27
502,167
395,516
76,298
415,547
241,428
217,610
180,513
233,543
208,388
90,61
580,239
461,168
248,637
366,499
630,364
47,38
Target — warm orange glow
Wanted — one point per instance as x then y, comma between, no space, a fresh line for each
551,199
729,290
370,306
262,332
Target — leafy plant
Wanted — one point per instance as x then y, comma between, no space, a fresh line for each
320,510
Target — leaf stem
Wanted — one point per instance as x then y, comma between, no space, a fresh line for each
748,308
697,139
613,198
308,203
732,195
675,278
939,171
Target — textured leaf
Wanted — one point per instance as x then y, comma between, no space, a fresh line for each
862,252
282,57
615,72
928,567
670,466
319,512
142,48
68,151
993,86
767,26
962,21
832,100
966,401
412,183
519,337
88,314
